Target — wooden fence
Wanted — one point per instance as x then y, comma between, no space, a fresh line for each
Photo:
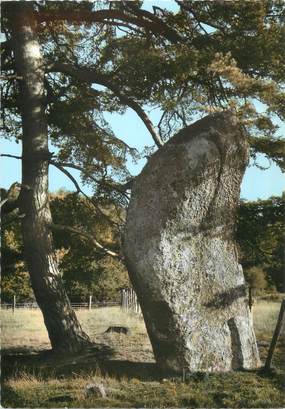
76,306
128,302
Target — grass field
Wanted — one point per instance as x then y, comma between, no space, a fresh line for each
126,367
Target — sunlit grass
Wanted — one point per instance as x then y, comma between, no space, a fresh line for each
235,390
62,383
265,314
26,327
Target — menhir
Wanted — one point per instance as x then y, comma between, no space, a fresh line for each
180,250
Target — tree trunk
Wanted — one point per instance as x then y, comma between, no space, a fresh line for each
64,330
180,250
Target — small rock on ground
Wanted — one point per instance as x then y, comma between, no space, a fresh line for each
95,389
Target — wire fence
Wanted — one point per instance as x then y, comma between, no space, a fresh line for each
76,306
129,302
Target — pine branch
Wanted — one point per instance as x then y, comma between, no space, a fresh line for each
10,77
90,76
11,200
6,155
186,6
121,188
79,190
69,175
149,22
85,236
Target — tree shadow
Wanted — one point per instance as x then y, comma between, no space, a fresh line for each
226,298
144,371
99,358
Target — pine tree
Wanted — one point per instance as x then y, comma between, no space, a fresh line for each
65,63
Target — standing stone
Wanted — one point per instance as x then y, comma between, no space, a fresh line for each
180,250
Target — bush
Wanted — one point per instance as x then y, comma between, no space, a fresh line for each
256,278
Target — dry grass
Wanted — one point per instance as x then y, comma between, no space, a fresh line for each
24,329
265,315
31,381
234,390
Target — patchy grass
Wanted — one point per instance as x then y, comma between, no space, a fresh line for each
235,390
265,317
34,378
24,330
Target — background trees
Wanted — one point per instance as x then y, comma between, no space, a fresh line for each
65,64
88,271
261,239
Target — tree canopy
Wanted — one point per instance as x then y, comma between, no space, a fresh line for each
107,56
65,64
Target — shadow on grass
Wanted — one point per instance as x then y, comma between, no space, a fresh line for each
9,395
233,389
101,358
98,357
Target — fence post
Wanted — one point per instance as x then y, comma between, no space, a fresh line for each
131,299
123,298
14,303
275,336
250,299
90,302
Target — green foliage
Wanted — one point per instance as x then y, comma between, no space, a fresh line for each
229,56
256,278
260,235
14,276
85,269
206,57
203,58
18,285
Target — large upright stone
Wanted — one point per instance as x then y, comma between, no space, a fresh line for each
180,250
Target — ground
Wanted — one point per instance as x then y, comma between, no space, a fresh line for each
124,364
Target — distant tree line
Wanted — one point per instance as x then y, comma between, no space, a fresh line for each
65,64
86,270
260,235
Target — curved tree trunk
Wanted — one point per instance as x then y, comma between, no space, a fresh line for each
64,330
180,250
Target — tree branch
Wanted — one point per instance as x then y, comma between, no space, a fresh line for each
11,200
187,7
154,24
79,190
69,175
6,155
85,236
90,76
10,77
118,187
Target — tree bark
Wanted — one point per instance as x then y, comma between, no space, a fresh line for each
64,330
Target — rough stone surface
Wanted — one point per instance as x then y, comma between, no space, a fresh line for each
95,389
180,250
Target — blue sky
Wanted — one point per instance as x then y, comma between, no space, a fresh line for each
257,184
